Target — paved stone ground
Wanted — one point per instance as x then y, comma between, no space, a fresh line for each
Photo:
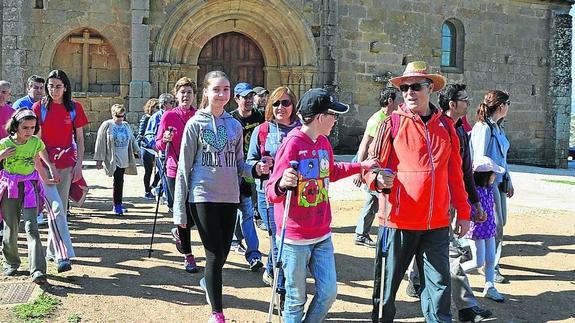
113,280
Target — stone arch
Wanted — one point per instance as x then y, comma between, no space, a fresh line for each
115,40
102,70
286,43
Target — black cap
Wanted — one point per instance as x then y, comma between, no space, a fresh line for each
316,101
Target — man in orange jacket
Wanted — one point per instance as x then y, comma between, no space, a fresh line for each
421,147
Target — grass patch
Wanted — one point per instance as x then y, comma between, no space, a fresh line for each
74,318
41,307
560,181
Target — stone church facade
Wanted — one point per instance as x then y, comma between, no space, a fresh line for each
126,51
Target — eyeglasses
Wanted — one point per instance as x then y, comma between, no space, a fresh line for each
335,115
284,103
173,102
247,97
120,115
414,86
466,100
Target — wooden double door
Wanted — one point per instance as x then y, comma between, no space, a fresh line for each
236,55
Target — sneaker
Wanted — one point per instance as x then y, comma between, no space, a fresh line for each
10,272
39,278
238,248
118,209
500,279
124,209
217,317
149,196
40,219
261,225
256,264
176,238
64,265
474,314
155,191
268,279
203,287
364,240
412,290
493,294
190,264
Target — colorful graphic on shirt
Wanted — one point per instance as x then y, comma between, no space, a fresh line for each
120,135
219,141
313,179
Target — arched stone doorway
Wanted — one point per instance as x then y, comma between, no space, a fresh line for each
287,49
236,55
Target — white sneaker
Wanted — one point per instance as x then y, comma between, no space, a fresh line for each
203,287
493,294
40,219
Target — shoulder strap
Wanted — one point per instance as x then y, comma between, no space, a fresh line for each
446,126
262,136
44,112
394,120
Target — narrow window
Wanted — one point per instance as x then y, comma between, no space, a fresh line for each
39,4
448,41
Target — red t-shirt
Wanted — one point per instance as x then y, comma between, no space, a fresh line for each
58,124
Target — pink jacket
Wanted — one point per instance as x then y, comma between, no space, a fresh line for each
177,119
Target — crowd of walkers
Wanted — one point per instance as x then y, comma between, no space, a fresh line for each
435,183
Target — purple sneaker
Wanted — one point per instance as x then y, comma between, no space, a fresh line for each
190,264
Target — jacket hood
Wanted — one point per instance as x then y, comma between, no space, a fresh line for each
203,114
296,132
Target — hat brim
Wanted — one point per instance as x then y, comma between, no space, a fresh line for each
498,169
338,108
438,80
246,92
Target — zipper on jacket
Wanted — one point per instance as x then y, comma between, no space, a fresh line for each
432,175
397,197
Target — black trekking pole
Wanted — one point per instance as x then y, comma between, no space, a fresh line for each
293,164
161,190
383,254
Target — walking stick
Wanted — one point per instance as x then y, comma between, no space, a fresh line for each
383,251
271,237
293,164
160,192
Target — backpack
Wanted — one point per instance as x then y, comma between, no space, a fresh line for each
44,112
262,136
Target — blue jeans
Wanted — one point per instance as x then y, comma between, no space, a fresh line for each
245,228
367,213
271,223
320,260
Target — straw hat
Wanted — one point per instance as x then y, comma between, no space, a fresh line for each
419,69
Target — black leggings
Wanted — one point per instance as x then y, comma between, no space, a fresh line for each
118,185
184,233
215,223
148,160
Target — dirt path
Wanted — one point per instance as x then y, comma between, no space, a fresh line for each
113,280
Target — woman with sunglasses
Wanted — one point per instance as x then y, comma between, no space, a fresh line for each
488,139
281,118
116,147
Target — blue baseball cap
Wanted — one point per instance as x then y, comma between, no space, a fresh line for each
243,89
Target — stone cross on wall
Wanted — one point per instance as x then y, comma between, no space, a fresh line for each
86,41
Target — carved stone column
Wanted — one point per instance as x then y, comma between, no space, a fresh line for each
140,83
560,87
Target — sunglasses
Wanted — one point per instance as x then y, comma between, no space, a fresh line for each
414,86
335,115
284,103
508,102
120,115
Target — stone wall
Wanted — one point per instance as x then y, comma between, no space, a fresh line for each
507,46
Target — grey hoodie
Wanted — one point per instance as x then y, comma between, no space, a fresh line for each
210,161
